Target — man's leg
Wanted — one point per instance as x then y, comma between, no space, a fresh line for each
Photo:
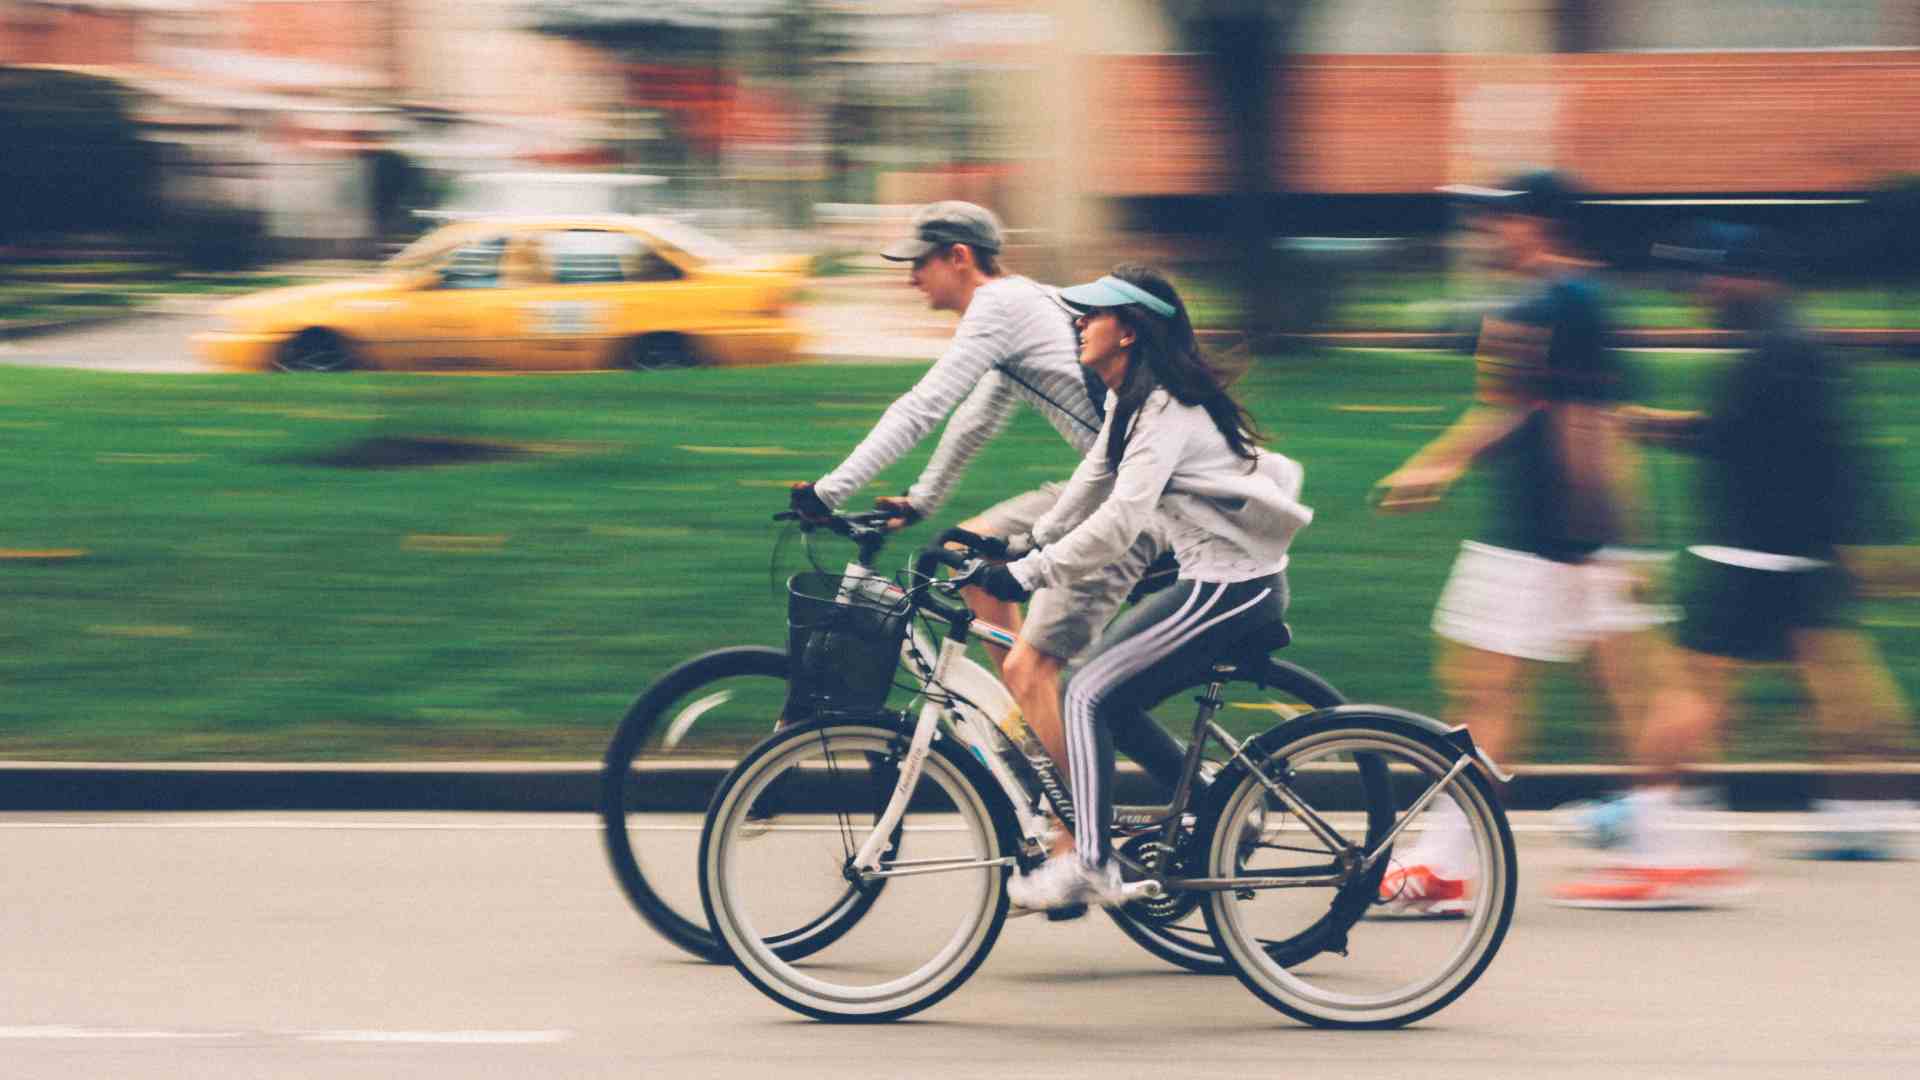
1034,678
1860,716
1007,518
1668,861
1857,705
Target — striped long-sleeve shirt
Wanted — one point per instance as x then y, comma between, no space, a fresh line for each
1228,519
1015,343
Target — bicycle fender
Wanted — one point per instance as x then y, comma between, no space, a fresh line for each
1456,736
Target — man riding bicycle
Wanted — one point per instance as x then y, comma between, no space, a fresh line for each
1015,343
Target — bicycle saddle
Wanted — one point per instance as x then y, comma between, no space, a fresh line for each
1263,641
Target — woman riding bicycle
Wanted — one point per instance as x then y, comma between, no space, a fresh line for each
1177,446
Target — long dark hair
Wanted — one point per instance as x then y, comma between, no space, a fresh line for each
1167,355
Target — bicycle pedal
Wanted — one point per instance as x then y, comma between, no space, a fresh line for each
1066,914
1142,890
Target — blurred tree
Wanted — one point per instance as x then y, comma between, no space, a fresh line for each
71,157
1246,45
400,186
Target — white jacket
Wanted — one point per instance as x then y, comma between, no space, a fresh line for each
1227,518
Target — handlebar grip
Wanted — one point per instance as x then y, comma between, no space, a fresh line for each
930,557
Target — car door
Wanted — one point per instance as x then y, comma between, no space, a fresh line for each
454,320
604,289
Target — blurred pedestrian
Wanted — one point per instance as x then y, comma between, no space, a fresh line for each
1538,585
1784,490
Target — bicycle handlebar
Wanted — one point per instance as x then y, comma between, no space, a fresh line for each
868,529
937,555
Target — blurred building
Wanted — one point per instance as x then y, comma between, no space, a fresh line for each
1060,113
1636,96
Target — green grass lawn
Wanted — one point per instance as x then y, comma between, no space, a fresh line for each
1420,300
236,599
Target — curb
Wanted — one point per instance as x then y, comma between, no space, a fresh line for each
573,787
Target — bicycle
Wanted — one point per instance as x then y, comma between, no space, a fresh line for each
703,705
1264,855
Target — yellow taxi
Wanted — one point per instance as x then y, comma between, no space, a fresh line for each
533,294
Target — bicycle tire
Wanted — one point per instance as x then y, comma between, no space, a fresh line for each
1194,950
972,794
1415,750
649,718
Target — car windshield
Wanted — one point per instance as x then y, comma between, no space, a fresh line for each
426,249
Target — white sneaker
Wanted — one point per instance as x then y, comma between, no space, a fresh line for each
1064,881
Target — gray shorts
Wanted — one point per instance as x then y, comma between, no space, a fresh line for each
1063,621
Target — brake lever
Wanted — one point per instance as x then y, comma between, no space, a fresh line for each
963,577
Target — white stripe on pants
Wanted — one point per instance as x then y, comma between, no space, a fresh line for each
1111,668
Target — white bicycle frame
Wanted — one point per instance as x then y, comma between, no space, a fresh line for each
977,703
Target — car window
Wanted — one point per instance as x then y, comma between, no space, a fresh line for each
598,256
474,265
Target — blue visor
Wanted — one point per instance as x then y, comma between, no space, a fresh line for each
1109,292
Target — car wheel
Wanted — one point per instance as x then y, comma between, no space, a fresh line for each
658,352
315,351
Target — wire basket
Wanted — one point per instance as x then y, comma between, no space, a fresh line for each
843,638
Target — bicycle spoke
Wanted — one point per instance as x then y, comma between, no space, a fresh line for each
914,926
1310,951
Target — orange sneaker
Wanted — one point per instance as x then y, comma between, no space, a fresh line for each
1416,892
1655,888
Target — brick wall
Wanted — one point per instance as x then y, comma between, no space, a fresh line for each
62,35
1366,124
1733,122
1625,122
350,33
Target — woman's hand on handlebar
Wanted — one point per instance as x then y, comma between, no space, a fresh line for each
999,583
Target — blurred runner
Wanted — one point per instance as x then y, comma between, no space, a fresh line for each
1537,585
1783,488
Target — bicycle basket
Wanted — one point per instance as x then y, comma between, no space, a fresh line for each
843,639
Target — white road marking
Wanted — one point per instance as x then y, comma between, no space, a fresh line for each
343,826
467,1037
66,1031
481,1038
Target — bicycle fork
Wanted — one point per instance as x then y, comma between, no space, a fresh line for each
867,861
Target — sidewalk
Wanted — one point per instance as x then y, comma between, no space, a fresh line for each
573,787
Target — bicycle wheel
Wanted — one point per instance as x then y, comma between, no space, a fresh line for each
1172,927
693,722
927,932
1385,974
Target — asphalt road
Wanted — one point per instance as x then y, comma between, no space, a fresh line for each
839,332
154,343
268,945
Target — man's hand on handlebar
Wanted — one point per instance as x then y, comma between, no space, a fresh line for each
902,510
807,503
